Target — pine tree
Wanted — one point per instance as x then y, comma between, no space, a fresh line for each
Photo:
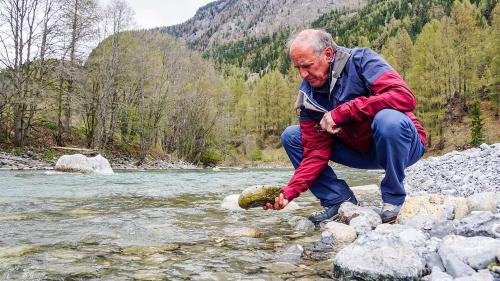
477,125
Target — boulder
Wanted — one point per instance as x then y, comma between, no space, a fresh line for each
485,201
258,196
368,195
443,228
378,256
476,252
348,212
480,224
433,206
342,233
79,163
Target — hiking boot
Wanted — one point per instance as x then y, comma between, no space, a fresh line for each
330,212
390,213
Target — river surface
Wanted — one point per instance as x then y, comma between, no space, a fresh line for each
150,225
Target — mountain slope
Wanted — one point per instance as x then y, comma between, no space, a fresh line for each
226,21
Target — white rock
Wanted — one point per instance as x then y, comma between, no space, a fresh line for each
82,164
477,252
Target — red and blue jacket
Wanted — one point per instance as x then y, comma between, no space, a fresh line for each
366,85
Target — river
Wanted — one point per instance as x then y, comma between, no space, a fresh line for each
149,225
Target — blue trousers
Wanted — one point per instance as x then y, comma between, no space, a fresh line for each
396,147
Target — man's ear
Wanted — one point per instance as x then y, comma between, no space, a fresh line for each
329,53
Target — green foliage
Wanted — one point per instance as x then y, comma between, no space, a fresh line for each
210,157
256,155
477,125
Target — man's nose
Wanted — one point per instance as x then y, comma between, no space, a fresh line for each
303,73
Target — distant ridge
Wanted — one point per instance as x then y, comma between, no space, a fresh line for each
225,21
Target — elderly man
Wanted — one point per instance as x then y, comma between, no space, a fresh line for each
354,110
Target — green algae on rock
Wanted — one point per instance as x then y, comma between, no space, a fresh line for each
258,196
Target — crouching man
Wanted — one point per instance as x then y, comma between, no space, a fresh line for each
354,110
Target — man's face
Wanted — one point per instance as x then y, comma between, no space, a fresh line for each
312,67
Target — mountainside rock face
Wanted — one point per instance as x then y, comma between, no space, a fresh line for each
225,21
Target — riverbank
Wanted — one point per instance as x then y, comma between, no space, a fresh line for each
30,160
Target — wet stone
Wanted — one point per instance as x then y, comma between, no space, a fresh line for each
258,196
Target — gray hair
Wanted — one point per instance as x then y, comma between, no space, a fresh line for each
318,39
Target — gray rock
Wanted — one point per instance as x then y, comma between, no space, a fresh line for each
476,252
438,275
420,222
292,254
378,256
361,225
442,228
480,224
349,211
456,267
479,276
326,243
434,260
302,225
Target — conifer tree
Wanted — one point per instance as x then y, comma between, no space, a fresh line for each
477,125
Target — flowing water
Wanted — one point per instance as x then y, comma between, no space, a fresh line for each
149,225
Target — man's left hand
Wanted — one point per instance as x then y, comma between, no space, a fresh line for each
328,124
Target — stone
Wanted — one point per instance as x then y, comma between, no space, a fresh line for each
476,252
300,224
479,224
438,275
258,196
411,236
361,225
367,195
349,211
79,163
230,202
420,222
430,205
460,206
433,261
442,228
479,276
243,232
485,201
342,233
293,254
455,267
377,256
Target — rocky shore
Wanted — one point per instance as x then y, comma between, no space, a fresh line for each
448,228
31,161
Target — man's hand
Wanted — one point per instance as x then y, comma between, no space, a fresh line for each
328,124
279,203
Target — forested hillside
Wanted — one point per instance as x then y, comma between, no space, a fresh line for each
143,94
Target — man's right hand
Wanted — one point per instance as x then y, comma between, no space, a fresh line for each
279,203
328,124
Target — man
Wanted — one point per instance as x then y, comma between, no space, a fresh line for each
356,111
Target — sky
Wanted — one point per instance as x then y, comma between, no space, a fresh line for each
153,13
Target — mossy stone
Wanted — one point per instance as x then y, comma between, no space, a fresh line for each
258,196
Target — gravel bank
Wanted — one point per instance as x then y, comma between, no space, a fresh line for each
457,173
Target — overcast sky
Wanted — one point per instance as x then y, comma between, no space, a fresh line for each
153,13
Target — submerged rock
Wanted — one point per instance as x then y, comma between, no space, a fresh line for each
258,196
79,163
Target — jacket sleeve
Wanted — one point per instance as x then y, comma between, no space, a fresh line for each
317,147
390,91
